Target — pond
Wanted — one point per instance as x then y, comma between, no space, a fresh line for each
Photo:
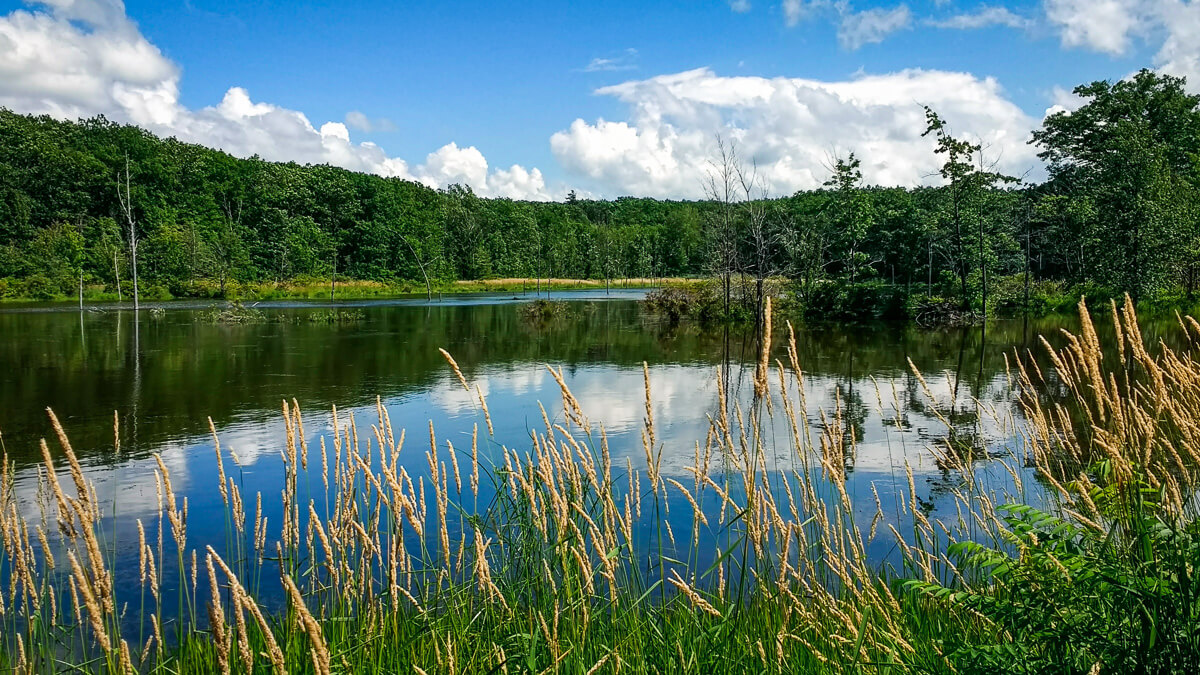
159,377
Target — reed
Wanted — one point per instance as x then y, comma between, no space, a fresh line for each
553,558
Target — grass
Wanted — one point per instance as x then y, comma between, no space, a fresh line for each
557,558
231,313
319,289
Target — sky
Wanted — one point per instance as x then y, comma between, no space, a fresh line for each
530,100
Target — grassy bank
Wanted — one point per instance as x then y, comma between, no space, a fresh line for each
319,289
558,557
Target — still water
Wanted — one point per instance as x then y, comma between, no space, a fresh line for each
166,373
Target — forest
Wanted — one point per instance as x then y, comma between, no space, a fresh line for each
93,208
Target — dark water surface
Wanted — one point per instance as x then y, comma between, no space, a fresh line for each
166,372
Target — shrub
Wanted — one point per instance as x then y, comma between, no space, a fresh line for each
704,301
675,302
542,310
40,287
867,300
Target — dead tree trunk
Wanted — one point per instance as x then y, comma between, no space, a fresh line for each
126,200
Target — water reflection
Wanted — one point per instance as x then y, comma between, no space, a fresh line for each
165,374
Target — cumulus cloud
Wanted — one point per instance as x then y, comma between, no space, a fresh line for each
1102,25
79,58
872,25
983,17
740,6
517,182
1180,51
789,127
1112,26
49,65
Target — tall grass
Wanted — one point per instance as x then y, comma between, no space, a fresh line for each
558,558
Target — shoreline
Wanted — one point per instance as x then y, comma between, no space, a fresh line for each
350,291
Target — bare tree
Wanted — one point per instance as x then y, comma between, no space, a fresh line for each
743,229
722,187
333,274
126,200
760,235
420,264
79,259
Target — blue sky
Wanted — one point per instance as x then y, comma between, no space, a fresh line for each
506,78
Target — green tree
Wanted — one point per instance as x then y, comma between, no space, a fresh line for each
850,213
969,185
1129,150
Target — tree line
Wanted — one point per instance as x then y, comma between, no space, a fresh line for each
87,204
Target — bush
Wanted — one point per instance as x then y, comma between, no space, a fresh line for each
865,300
939,311
154,292
542,311
41,287
675,302
704,301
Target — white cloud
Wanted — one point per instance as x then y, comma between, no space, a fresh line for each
796,10
49,65
1112,26
599,65
366,124
517,182
79,58
1180,52
1102,25
855,28
452,164
983,17
789,127
740,6
1063,100
872,25
626,61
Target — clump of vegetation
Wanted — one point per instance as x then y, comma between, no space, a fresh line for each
855,301
936,311
1069,593
337,316
232,312
705,301
675,302
542,311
